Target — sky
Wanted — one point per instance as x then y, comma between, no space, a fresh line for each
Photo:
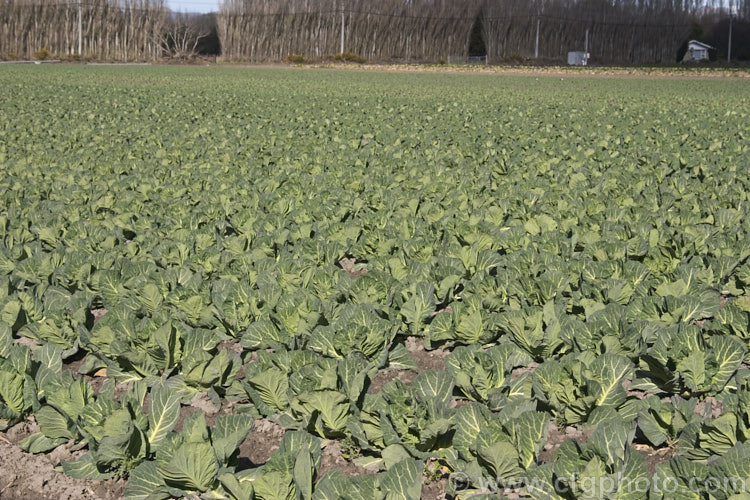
193,5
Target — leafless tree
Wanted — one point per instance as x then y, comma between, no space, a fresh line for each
619,31
182,34
125,30
414,30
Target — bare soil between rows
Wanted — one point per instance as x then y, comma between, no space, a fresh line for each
24,475
647,73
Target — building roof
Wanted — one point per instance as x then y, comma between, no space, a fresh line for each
700,44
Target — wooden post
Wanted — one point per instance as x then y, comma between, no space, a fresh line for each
342,27
80,28
586,42
729,50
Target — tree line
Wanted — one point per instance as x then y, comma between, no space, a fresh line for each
613,31
119,30
617,31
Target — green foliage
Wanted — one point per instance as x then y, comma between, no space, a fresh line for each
258,243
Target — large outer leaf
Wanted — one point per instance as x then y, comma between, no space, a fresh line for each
727,354
239,487
692,369
304,472
11,390
150,297
529,433
39,443
274,485
669,483
54,424
284,458
145,483
607,374
471,327
334,486
403,481
228,433
192,467
271,386
433,384
541,483
332,405
418,307
633,477
733,470
502,461
164,410
84,468
263,333
471,419
652,429
122,449
6,340
716,437
400,359
611,439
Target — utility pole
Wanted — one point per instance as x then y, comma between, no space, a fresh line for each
536,46
729,50
342,27
586,42
80,27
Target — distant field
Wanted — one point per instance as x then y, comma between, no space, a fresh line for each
680,71
272,283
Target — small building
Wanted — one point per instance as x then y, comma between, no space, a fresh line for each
697,51
578,58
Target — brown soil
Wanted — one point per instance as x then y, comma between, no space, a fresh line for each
231,346
556,437
723,299
349,265
654,456
263,440
517,372
21,430
554,71
383,377
201,403
434,490
508,70
426,360
97,314
24,476
73,364
331,458
26,341
709,407
626,384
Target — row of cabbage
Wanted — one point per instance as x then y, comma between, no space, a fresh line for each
600,286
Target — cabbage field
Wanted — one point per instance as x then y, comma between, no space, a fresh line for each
237,283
